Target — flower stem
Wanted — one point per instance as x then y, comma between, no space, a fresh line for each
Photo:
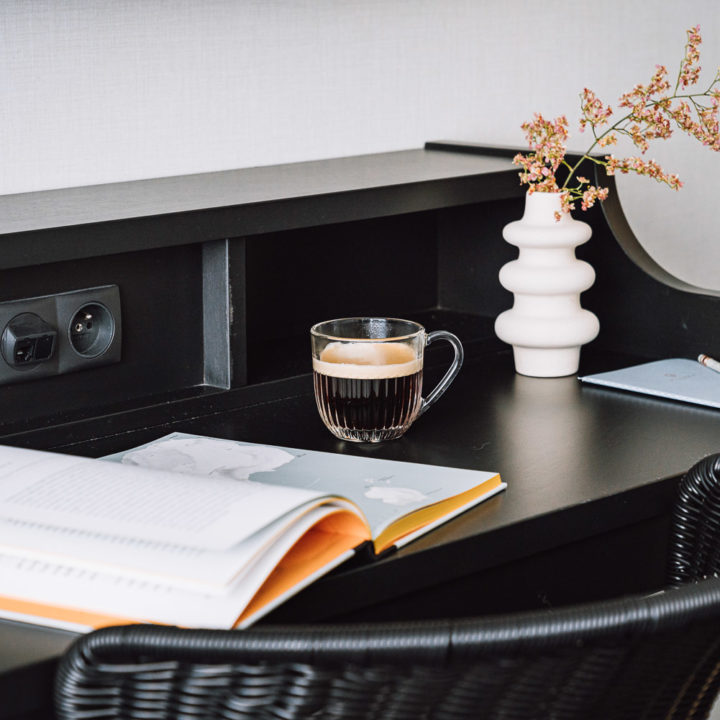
616,127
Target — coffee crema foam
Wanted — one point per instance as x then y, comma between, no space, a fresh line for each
367,360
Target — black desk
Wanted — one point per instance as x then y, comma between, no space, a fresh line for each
207,267
590,475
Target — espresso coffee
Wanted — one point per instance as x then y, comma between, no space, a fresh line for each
368,391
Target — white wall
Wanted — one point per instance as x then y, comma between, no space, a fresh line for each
94,92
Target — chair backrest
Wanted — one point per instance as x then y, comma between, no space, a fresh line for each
639,657
694,551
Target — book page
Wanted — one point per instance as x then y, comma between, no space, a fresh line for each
94,543
155,506
53,590
195,568
385,490
63,594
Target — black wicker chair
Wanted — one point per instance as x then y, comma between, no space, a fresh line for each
695,537
638,657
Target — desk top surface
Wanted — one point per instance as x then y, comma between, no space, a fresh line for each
578,461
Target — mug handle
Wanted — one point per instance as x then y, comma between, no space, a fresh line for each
452,372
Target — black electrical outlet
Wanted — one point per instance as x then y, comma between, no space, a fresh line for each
92,329
57,334
27,339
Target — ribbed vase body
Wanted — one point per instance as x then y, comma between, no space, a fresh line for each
546,325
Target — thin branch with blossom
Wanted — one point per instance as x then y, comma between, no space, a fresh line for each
651,116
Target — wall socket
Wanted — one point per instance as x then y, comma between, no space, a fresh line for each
57,334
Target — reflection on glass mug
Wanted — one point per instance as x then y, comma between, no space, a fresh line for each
368,375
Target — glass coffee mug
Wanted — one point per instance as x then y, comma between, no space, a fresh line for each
368,375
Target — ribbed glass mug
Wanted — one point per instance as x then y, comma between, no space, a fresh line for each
368,375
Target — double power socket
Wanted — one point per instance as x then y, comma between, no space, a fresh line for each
61,333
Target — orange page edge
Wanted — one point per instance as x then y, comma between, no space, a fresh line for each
314,551
309,554
424,516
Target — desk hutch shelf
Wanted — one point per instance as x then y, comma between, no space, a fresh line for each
222,274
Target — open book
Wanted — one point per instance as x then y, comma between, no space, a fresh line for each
202,532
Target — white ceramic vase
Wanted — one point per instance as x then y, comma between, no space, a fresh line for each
546,325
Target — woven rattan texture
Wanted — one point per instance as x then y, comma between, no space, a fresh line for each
695,541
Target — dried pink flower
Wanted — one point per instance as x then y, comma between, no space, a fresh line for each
594,113
649,168
689,69
606,140
650,116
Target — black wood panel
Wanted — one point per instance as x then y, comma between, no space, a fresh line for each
471,253
27,666
100,220
384,266
625,561
161,299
